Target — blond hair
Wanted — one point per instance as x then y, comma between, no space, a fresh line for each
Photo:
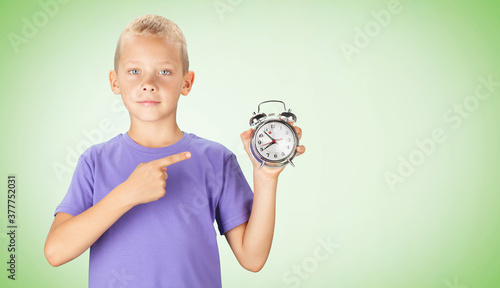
157,26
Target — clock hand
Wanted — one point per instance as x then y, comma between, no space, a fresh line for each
268,136
274,141
269,145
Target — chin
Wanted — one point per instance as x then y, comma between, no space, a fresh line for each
152,117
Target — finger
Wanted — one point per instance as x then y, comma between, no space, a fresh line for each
246,135
172,159
300,150
245,138
298,130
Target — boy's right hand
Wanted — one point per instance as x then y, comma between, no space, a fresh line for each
147,182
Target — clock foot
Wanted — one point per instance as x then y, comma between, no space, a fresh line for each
291,163
262,164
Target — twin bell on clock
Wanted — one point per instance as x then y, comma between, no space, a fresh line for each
274,141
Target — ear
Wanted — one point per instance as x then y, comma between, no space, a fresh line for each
113,81
188,83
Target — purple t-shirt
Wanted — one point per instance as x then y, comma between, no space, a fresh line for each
170,242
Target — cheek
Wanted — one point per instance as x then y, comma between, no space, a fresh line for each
172,85
126,101
127,87
127,93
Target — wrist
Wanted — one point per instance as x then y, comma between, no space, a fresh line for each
121,198
266,174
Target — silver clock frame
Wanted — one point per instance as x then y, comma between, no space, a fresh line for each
260,120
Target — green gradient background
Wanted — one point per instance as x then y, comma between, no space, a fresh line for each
440,228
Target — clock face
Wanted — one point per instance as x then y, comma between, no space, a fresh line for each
275,140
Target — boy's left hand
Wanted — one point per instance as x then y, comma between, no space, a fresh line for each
268,171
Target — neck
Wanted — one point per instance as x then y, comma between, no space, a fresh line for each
155,134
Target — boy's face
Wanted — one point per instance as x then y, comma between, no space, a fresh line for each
150,69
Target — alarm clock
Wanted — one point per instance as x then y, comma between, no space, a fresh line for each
274,141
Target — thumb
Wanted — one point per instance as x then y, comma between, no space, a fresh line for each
245,138
246,135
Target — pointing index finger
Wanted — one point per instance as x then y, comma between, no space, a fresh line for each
172,159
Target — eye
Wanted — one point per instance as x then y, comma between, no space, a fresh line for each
164,72
134,71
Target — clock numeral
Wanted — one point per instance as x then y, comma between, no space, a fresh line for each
267,154
275,155
260,142
261,135
287,146
286,132
288,140
281,127
261,149
272,126
282,153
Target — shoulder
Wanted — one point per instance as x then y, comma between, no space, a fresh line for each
100,149
210,148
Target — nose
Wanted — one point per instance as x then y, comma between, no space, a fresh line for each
148,88
149,85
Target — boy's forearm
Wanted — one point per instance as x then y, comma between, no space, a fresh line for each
71,238
259,231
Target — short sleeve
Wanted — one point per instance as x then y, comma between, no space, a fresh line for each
235,202
79,196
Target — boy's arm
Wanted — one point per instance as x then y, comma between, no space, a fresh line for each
251,241
70,236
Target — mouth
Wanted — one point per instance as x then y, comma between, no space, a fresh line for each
149,103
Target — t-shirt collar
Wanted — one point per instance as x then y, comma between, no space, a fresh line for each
171,149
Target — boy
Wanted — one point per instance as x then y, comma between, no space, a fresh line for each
115,203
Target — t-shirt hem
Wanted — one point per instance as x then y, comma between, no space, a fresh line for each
68,210
228,225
